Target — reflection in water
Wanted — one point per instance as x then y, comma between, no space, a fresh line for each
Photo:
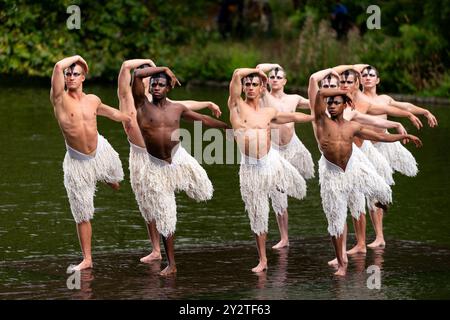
85,292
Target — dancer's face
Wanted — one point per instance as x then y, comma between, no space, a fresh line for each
335,106
74,77
277,79
332,83
348,83
252,87
159,87
369,78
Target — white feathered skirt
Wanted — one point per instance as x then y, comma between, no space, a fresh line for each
81,173
163,179
137,164
270,176
399,158
341,189
296,153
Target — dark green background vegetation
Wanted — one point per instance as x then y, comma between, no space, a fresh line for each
411,50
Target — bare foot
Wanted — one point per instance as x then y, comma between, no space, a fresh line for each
357,249
168,271
377,244
342,271
85,264
114,185
260,267
334,262
154,256
281,244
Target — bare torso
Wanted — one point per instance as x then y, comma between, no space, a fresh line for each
159,126
252,129
283,133
362,104
335,140
77,119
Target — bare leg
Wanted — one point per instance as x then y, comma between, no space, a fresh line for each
169,247
153,234
360,231
84,230
341,255
377,221
334,262
283,227
261,246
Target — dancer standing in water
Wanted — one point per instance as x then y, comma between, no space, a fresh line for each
341,174
263,172
170,167
286,141
89,157
138,153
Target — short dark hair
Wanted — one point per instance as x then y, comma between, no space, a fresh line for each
162,75
351,72
276,70
251,76
328,77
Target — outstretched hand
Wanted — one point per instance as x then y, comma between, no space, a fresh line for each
215,109
432,121
173,78
415,140
415,121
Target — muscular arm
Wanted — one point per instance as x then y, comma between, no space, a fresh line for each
57,88
302,103
395,112
378,122
112,113
199,105
342,68
206,120
123,86
432,121
313,86
266,67
368,134
236,84
286,117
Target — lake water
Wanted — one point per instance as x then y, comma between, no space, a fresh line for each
215,248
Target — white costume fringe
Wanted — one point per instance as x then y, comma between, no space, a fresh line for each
399,158
81,173
271,176
163,179
379,162
340,189
137,165
296,153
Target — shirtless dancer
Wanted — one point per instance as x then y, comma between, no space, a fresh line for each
341,175
286,142
138,153
329,78
349,81
398,157
170,167
263,172
89,157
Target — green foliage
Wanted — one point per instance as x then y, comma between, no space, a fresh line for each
411,50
